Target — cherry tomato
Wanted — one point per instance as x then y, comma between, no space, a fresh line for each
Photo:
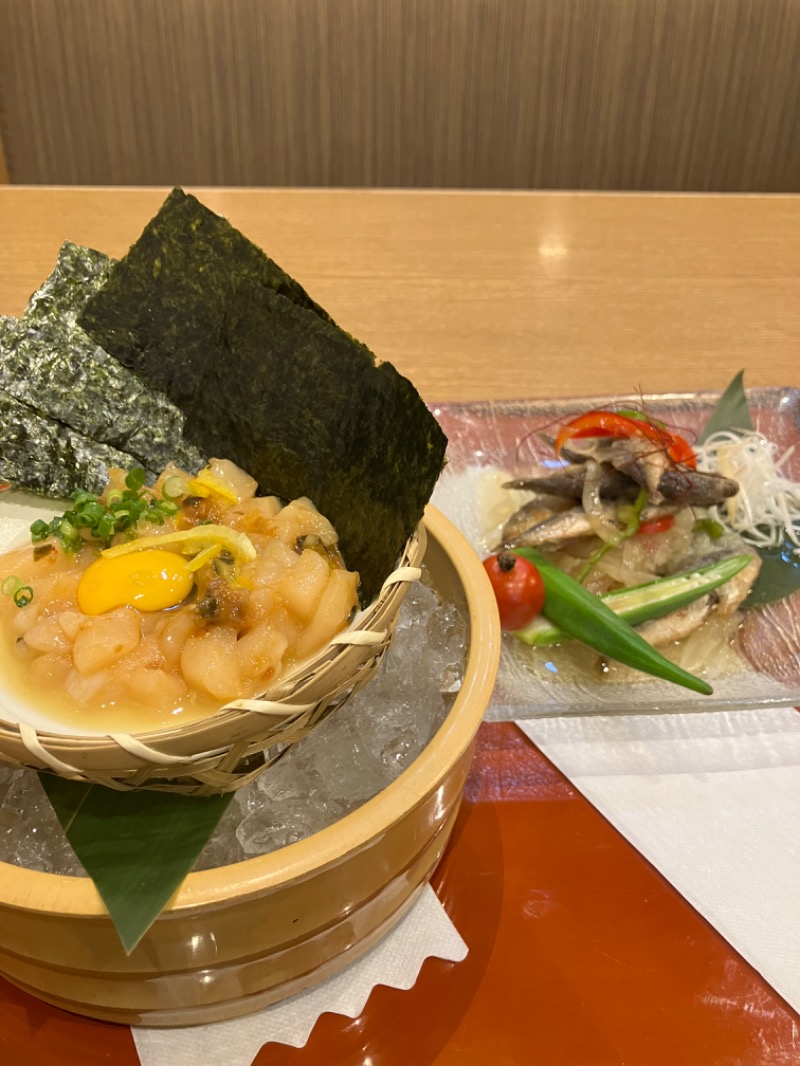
518,589
613,424
657,525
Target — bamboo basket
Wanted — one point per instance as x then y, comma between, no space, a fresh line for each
235,939
231,747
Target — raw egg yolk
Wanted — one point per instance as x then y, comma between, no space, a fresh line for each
150,580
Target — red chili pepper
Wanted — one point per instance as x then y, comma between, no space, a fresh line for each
657,525
611,424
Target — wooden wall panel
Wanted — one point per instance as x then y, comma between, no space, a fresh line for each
605,94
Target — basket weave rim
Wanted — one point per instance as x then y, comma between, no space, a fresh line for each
237,721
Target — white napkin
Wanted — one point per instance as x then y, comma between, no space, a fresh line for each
712,800
396,961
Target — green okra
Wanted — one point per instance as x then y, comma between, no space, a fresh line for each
643,603
586,618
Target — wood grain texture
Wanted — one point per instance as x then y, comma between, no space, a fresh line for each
605,94
495,295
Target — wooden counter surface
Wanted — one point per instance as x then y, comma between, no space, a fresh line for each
486,295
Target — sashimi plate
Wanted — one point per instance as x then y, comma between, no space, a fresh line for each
495,440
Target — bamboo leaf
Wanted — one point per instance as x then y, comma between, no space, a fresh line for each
730,411
137,847
778,577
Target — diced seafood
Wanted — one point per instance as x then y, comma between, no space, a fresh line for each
215,605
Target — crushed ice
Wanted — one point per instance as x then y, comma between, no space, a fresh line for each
345,761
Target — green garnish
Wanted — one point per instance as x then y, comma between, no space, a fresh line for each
641,416
135,478
96,521
21,593
174,487
642,603
584,617
10,585
630,515
710,526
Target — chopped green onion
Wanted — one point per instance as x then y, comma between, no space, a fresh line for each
80,499
105,527
23,596
10,585
135,478
92,519
174,487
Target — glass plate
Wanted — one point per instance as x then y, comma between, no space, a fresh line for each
490,440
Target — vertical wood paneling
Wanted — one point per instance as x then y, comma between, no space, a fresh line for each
625,94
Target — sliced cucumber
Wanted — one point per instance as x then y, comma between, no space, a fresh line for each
640,603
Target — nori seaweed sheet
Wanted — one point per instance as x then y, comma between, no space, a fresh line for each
51,365
78,273
268,381
49,458
174,284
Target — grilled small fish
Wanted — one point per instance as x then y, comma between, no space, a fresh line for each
723,600
625,468
569,480
566,525
679,624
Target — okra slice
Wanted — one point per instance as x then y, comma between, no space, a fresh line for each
586,618
641,603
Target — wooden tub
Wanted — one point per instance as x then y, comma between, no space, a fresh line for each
240,937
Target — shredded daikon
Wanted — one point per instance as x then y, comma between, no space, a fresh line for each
767,506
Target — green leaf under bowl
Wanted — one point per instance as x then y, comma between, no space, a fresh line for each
137,847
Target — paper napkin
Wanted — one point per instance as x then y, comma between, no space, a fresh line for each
712,800
396,961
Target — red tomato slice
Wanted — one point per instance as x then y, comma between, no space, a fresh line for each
518,589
